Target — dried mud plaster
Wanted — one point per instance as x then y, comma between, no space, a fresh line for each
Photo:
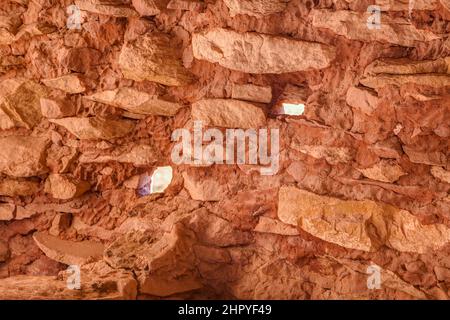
95,96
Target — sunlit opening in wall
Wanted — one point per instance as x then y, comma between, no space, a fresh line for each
161,179
293,109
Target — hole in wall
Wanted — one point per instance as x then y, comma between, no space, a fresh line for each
293,109
157,182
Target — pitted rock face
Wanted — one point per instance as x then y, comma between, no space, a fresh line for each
354,177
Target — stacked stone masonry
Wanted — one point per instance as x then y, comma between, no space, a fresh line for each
90,98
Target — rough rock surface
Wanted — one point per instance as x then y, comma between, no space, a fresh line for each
89,103
257,8
385,171
23,156
68,252
115,8
115,284
395,31
7,211
136,102
11,187
251,92
432,73
153,58
55,108
65,187
361,225
70,83
95,128
19,103
260,53
228,113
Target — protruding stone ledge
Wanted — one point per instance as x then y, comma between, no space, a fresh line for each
154,58
332,155
70,83
353,26
398,5
441,174
65,187
260,53
96,127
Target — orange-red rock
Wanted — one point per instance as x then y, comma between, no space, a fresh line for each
19,102
65,187
153,58
251,92
7,211
93,96
228,113
68,252
13,187
362,225
96,128
257,8
54,109
149,7
60,223
117,284
70,83
260,53
395,31
115,8
136,101
385,171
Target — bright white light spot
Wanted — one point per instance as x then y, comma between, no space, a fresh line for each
398,128
161,179
293,109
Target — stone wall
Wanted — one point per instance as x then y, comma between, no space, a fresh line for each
92,91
